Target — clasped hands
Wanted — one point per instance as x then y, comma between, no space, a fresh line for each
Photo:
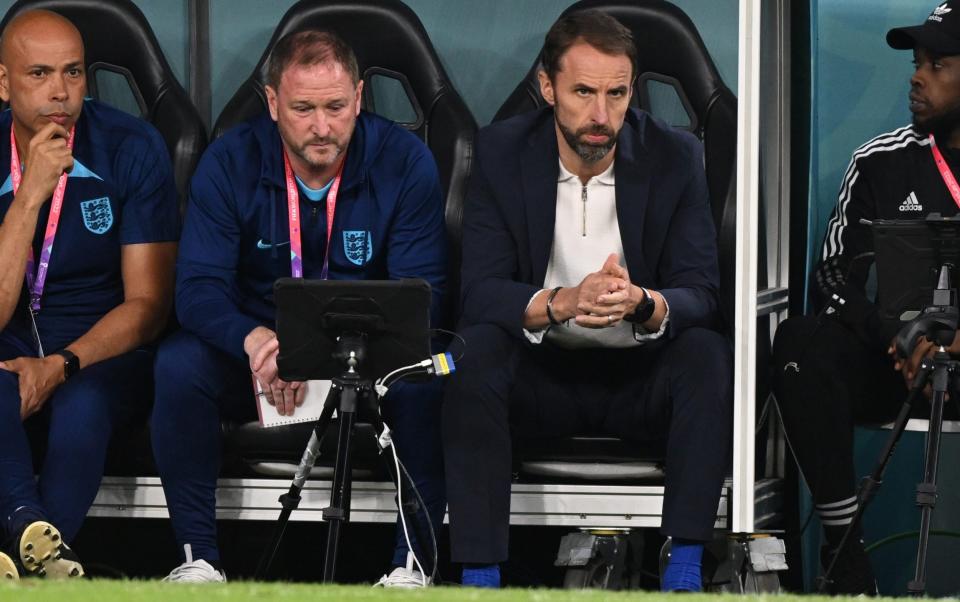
262,346
602,298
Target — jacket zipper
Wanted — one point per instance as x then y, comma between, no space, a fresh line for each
583,210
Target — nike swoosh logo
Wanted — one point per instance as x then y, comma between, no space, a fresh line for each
266,245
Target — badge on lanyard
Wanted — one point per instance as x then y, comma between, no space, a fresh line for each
293,214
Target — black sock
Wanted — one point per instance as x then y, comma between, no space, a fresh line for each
835,518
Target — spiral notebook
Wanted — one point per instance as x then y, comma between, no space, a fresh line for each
308,412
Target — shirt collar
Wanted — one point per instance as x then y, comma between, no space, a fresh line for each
605,177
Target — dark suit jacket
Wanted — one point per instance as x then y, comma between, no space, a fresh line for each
662,207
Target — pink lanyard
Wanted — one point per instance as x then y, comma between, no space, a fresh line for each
293,213
36,283
945,172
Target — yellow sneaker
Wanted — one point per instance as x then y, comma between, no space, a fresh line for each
8,570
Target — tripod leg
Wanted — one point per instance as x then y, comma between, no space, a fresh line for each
339,510
871,483
291,499
927,489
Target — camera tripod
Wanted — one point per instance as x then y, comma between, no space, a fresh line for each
938,323
350,396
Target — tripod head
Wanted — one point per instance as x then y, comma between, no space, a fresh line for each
351,350
937,322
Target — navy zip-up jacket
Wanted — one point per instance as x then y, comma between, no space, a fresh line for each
236,240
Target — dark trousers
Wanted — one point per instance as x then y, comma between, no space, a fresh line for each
198,384
826,381
79,418
679,390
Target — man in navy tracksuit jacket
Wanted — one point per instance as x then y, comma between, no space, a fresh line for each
236,242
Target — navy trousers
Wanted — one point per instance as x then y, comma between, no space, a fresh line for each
79,418
678,390
196,384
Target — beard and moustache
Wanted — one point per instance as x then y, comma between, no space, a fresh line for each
589,153
941,126
301,152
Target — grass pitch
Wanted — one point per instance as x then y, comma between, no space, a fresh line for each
34,590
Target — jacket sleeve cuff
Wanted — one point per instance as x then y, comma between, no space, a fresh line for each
641,334
236,333
534,336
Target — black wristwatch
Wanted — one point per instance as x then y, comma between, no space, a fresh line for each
71,363
644,310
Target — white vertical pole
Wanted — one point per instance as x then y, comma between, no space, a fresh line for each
748,179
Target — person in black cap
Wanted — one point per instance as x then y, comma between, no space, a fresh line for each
835,369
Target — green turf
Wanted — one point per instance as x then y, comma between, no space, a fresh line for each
147,591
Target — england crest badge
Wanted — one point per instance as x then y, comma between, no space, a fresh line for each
97,215
358,246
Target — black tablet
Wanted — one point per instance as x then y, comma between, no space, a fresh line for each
909,254
392,317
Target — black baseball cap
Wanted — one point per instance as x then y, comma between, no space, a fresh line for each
940,33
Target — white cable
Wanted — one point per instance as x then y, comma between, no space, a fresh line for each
424,364
387,440
403,519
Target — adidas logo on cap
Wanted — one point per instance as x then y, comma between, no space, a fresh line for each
939,12
911,203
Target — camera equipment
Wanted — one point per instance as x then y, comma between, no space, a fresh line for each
350,332
910,255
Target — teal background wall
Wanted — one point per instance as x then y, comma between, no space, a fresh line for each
486,46
168,18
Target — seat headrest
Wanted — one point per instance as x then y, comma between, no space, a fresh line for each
387,38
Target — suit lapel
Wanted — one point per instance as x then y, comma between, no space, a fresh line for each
539,170
633,171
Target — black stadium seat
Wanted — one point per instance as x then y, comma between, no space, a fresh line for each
118,39
678,81
390,43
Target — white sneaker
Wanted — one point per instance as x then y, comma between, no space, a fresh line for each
195,571
404,577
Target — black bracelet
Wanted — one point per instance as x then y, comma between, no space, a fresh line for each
550,316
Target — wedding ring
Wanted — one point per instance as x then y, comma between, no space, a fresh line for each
609,319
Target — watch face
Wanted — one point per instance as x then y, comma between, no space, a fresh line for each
71,363
72,366
646,308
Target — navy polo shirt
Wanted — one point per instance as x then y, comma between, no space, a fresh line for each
120,192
